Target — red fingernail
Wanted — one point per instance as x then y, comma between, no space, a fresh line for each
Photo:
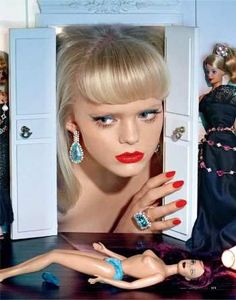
176,221
180,203
170,174
178,184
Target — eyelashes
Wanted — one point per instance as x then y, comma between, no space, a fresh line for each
147,116
104,121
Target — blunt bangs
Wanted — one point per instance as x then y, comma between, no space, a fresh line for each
123,72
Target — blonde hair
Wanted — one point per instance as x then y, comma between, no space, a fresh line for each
230,67
225,63
215,61
110,64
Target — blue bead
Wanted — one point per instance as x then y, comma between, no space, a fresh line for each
51,278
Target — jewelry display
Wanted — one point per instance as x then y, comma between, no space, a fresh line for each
142,220
76,153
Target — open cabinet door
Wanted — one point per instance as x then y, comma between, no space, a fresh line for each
181,122
33,132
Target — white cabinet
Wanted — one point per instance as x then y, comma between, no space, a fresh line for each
33,105
182,112
33,132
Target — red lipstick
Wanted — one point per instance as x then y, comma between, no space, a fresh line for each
129,158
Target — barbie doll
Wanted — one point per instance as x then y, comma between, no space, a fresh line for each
215,227
112,81
108,267
6,214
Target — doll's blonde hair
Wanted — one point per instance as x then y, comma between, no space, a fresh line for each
230,66
225,63
215,61
108,64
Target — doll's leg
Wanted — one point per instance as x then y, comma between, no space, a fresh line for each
77,262
82,253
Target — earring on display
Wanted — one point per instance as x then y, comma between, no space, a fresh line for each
157,148
76,152
4,109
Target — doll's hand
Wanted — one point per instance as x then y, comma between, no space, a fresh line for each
99,247
95,280
146,200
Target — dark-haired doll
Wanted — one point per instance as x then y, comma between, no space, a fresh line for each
6,214
108,267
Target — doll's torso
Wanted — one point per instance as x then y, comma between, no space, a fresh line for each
219,106
145,265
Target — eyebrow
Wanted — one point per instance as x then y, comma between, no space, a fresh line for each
109,113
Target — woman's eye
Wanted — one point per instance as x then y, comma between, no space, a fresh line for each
149,115
104,121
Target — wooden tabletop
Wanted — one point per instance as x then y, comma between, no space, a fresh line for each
74,285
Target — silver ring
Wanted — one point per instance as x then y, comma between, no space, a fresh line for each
141,220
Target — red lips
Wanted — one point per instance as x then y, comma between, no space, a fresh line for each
129,158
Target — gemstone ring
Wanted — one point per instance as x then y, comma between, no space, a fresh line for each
141,220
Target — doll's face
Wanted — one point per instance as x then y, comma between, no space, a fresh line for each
191,268
214,75
119,138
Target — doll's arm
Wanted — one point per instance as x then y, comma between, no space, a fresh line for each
102,249
136,284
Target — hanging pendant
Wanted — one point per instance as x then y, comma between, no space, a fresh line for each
76,153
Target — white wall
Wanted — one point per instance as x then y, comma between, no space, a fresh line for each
14,14
216,20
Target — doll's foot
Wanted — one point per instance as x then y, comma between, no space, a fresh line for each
1,276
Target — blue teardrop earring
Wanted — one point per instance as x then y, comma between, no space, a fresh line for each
76,152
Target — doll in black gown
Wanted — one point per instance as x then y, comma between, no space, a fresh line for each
6,214
215,227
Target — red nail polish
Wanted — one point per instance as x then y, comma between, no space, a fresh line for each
180,203
176,221
178,184
170,174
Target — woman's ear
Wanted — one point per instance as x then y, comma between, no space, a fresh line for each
71,126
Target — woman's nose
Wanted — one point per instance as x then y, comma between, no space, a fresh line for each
129,133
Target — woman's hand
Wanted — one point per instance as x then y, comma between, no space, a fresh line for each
146,200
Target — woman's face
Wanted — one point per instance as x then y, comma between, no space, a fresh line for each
191,268
120,138
214,75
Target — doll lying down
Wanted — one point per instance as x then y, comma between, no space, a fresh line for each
108,267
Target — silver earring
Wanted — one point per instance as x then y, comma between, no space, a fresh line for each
76,153
157,148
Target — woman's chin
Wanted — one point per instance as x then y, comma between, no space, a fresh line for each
130,170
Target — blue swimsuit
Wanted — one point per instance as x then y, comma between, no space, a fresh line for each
116,263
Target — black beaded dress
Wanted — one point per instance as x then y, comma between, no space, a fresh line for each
215,227
6,214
